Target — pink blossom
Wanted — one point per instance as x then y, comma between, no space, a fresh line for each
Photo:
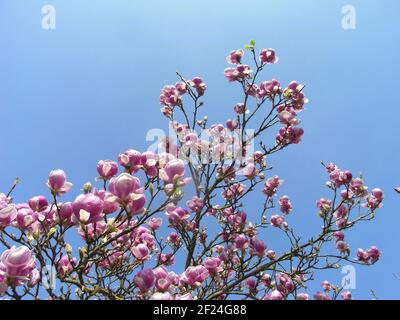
195,204
199,85
346,295
131,160
7,215
268,89
66,211
173,171
342,246
38,203
58,183
240,108
258,247
235,56
289,135
141,252
107,169
238,73
241,241
274,295
150,162
17,264
213,265
88,208
155,223
145,280
249,171
286,205
321,296
268,56
195,276
302,296
177,215
231,124
123,185
271,186
277,221
65,265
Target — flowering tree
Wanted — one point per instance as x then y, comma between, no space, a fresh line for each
207,247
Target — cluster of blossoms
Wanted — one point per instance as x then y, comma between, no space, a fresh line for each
139,223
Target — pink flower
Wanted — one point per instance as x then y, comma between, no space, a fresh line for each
302,296
58,183
7,215
88,208
289,135
136,202
110,202
195,204
277,221
268,89
293,93
324,205
240,241
123,185
38,203
258,247
250,171
150,163
199,85
26,217
171,95
231,124
233,191
141,252
339,177
339,235
342,246
286,205
239,73
66,211
173,171
346,295
145,280
131,160
240,108
235,56
17,264
251,284
268,56
375,199
195,276
177,215
213,264
155,223
107,169
65,266
271,186
274,295
321,296
370,256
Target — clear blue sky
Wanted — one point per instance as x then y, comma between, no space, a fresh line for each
89,89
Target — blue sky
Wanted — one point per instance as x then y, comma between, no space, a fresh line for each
89,90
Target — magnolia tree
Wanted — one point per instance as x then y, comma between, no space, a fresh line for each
172,225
